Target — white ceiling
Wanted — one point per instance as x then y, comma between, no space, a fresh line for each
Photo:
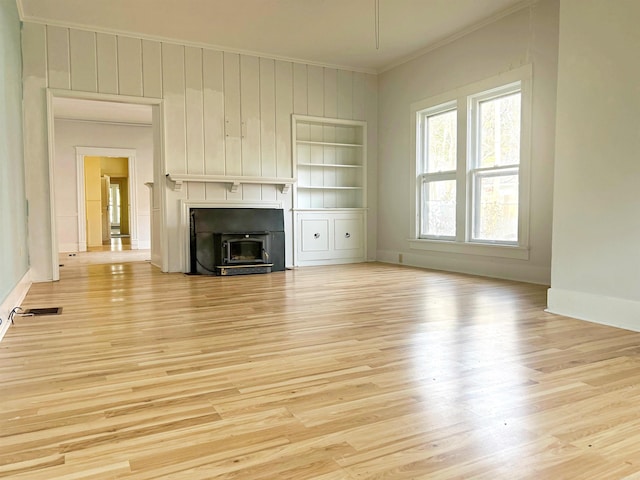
326,32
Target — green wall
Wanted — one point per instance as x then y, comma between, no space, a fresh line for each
14,258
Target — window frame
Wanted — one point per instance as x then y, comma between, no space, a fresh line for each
432,177
466,101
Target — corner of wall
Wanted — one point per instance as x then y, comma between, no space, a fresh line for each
15,298
614,312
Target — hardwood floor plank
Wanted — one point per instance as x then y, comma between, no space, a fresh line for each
363,371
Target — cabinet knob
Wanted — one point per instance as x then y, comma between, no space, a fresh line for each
316,235
347,235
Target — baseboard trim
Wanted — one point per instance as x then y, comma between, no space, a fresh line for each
506,269
68,248
14,299
610,311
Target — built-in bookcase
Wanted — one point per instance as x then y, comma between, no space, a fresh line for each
329,156
330,160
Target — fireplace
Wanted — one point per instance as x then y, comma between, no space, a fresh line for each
243,248
234,241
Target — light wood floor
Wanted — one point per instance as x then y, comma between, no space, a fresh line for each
365,371
117,252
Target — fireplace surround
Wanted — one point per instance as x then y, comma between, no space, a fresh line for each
231,241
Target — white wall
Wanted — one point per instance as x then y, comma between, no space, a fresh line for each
596,231
71,134
529,36
223,113
14,255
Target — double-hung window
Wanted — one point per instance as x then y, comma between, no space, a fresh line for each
471,192
438,132
494,165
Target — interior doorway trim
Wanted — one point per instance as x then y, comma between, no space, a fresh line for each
130,154
158,162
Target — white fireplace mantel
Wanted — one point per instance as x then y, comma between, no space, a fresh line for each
233,181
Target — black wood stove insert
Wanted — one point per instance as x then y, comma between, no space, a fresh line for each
236,241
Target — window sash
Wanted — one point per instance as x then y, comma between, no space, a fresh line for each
475,178
431,178
424,118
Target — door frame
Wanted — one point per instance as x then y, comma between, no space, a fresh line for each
130,155
157,105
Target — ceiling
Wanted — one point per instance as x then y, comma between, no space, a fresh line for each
339,33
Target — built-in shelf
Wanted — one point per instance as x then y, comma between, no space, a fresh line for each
234,181
329,155
330,195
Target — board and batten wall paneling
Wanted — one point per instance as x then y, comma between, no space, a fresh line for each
57,58
213,122
359,99
107,63
232,129
250,123
250,114
345,95
83,62
173,92
151,69
267,121
130,66
284,108
267,117
194,119
300,89
330,92
315,91
223,113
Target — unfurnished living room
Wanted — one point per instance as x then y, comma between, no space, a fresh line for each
319,239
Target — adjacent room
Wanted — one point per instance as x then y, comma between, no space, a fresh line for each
348,239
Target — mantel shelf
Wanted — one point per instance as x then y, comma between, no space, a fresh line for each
233,181
328,144
328,165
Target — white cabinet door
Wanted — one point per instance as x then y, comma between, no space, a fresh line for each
324,238
314,238
348,237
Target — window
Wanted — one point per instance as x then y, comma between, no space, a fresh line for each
438,189
494,165
471,192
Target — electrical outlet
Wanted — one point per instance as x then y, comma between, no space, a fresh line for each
399,258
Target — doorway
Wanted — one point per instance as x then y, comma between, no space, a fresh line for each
107,199
124,220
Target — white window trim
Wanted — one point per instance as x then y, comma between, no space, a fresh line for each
432,176
463,244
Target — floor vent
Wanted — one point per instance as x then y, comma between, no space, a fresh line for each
42,311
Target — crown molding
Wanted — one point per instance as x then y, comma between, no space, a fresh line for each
221,48
20,10
175,41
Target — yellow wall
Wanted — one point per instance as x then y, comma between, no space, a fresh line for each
114,167
94,168
93,204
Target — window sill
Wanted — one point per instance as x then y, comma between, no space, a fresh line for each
486,250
